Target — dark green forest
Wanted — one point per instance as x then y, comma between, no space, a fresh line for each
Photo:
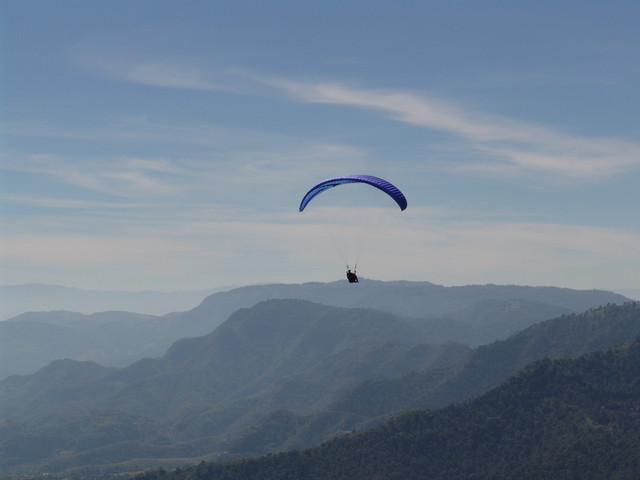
559,419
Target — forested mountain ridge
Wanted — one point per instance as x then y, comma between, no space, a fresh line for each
560,419
290,354
409,299
195,401
483,368
473,315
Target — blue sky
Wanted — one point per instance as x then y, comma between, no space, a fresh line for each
166,145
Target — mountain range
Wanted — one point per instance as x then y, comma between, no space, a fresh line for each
278,375
374,401
556,419
36,297
472,315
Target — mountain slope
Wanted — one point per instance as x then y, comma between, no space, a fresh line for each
32,340
560,419
290,354
472,314
483,368
197,400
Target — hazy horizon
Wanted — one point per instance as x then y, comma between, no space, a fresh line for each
150,302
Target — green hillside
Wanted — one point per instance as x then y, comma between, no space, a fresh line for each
557,419
374,401
290,354
281,375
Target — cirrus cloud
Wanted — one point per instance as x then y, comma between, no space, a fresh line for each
491,143
508,146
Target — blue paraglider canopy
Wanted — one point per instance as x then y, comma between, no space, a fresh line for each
388,188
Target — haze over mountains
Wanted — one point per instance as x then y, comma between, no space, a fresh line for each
632,293
286,373
472,315
17,299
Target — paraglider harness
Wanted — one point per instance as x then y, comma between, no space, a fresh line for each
351,276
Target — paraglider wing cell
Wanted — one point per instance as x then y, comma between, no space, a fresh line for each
376,182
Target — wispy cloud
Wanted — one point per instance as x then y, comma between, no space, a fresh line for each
509,146
118,176
65,203
494,144
486,143
183,73
158,74
207,161
224,163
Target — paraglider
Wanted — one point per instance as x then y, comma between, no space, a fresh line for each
351,276
388,188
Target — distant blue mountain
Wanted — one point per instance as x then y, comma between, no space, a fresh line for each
472,315
17,299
